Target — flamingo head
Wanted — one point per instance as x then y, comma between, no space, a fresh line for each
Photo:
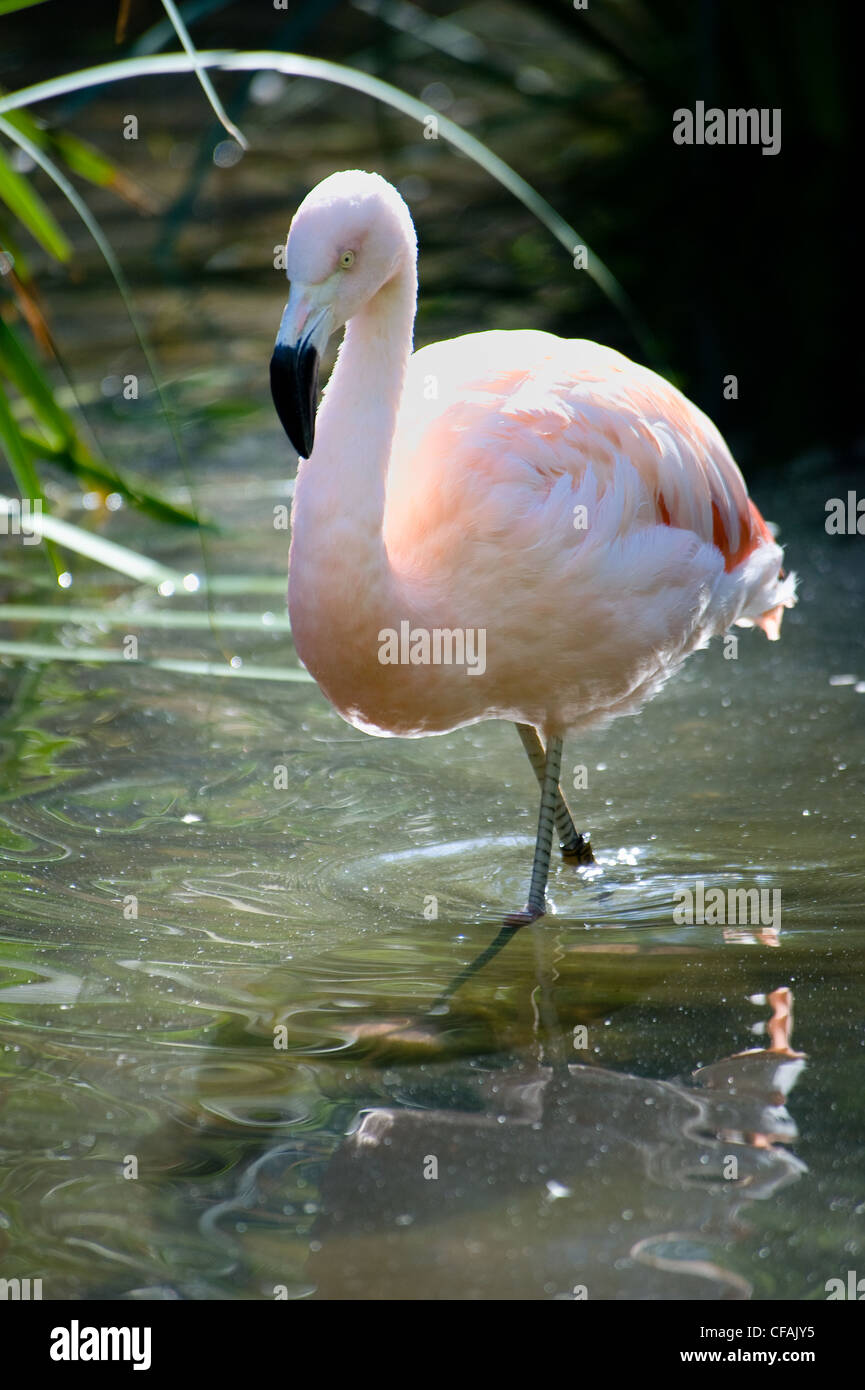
350,236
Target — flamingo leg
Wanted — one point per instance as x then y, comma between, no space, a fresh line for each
573,844
536,905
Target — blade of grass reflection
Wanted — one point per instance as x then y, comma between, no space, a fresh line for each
131,617
43,651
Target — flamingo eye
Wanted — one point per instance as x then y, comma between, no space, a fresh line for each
346,260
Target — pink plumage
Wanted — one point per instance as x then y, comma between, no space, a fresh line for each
573,507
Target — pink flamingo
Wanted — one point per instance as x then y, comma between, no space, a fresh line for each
543,500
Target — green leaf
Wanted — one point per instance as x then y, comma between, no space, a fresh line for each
21,465
84,159
81,157
111,260
20,368
25,203
66,449
93,474
17,452
10,6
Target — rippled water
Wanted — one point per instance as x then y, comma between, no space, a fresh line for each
220,970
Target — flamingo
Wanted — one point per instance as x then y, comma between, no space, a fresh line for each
544,498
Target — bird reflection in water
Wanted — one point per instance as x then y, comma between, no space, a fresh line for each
566,1181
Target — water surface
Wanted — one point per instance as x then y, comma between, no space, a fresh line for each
219,968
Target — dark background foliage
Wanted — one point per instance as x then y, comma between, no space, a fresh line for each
739,263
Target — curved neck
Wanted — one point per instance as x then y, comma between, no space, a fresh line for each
337,546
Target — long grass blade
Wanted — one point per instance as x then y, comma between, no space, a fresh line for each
23,470
44,651
142,618
20,368
109,553
64,446
104,246
297,65
85,160
207,87
24,202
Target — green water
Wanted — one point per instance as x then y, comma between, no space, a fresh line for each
219,957
240,1054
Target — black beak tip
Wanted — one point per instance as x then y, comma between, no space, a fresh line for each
294,387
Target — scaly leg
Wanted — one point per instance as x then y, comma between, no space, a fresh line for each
573,844
536,905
